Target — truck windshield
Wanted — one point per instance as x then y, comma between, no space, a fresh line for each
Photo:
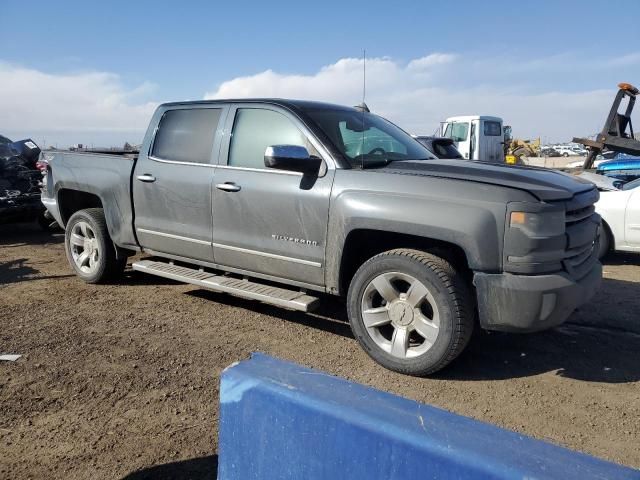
366,139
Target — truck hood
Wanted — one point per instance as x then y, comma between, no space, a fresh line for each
545,184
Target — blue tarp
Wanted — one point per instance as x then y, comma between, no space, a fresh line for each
279,420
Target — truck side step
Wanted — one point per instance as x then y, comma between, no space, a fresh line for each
282,297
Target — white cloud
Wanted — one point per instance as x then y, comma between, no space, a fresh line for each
532,96
556,97
70,104
431,61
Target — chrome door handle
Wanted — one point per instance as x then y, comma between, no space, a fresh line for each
146,178
228,187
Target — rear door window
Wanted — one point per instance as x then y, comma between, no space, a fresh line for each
492,129
186,135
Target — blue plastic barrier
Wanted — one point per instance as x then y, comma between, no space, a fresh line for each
279,420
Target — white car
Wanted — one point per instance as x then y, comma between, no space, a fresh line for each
566,151
620,212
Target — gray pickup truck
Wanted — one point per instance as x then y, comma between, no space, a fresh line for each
276,200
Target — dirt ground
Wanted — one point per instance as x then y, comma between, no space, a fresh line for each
121,381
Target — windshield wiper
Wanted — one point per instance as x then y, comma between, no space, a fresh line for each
377,162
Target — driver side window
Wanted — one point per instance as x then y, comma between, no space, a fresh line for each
359,143
255,129
459,132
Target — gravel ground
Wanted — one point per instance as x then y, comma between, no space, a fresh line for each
121,381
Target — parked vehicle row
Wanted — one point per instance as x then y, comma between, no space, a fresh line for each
275,200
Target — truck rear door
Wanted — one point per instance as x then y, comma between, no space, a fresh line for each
268,221
491,144
172,182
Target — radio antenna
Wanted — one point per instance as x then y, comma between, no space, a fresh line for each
364,75
363,107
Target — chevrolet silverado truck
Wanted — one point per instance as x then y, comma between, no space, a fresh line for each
281,201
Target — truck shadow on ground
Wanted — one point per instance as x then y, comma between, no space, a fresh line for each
20,234
598,343
18,270
621,258
133,277
194,468
330,316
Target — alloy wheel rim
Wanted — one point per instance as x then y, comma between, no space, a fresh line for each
400,314
85,248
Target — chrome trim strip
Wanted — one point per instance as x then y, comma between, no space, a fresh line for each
156,159
269,255
265,169
170,235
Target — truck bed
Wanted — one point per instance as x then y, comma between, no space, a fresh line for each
107,176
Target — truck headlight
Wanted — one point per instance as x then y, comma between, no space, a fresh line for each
541,224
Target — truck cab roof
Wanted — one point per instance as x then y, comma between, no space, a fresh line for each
282,102
468,118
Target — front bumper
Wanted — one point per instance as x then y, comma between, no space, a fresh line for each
528,303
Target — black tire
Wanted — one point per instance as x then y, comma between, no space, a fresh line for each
450,293
605,241
565,154
107,267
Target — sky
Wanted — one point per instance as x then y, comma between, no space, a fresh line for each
93,72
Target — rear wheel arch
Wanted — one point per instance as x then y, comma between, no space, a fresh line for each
71,201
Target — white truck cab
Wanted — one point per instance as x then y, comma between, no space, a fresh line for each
477,137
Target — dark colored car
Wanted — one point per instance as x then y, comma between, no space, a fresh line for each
549,152
441,147
20,181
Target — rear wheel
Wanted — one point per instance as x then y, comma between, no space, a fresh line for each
89,248
411,311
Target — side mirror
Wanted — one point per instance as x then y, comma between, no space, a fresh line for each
293,158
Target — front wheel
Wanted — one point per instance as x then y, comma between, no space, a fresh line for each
411,311
89,248
604,246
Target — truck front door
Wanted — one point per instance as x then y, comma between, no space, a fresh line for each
172,182
268,221
459,132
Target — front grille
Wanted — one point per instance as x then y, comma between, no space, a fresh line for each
582,227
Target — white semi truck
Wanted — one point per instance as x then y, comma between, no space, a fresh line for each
477,137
